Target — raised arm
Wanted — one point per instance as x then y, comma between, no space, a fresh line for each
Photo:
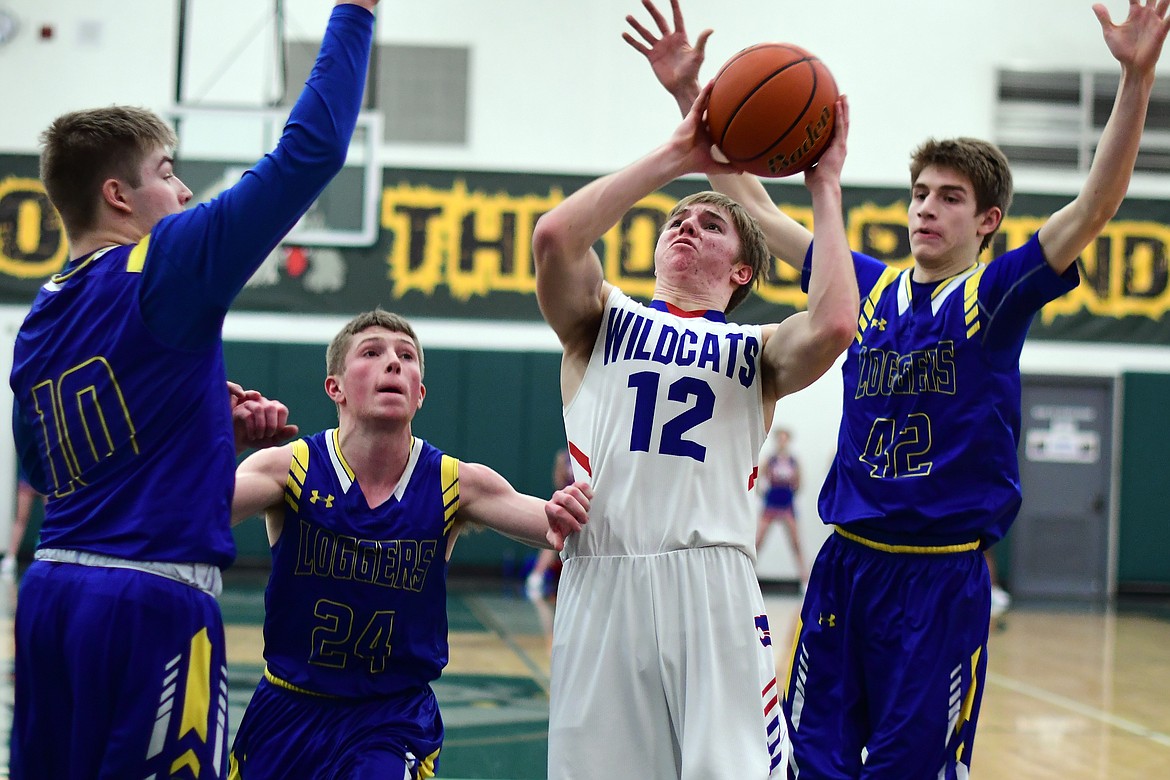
1136,44
802,347
199,260
676,64
487,499
569,283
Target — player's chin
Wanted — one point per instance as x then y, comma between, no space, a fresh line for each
924,249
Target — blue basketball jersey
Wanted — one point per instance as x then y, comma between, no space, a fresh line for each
122,416
931,421
356,605
112,410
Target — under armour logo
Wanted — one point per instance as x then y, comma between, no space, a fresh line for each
879,323
316,496
830,621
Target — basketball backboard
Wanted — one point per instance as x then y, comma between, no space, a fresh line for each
216,146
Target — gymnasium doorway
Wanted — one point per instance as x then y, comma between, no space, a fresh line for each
1061,546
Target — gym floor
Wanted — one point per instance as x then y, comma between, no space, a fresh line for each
1072,693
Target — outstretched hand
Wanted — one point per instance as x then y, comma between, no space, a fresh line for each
674,60
567,511
1137,42
828,166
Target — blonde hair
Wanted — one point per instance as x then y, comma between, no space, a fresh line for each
753,246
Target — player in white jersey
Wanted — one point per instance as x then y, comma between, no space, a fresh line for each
662,665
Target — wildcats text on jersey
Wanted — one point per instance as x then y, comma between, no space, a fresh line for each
633,336
885,372
399,563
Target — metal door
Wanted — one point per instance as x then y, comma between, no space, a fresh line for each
1061,544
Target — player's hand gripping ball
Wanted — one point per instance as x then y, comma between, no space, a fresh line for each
772,109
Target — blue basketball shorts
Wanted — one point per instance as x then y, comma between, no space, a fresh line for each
289,735
119,674
889,664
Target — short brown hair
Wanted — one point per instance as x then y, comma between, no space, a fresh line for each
378,318
753,246
82,149
981,162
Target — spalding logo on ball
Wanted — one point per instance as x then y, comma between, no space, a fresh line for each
772,109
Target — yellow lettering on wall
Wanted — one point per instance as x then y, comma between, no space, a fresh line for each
1124,273
475,243
478,242
32,241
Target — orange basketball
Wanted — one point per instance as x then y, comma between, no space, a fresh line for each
772,109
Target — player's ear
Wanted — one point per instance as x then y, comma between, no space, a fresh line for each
741,274
114,195
333,389
422,393
989,220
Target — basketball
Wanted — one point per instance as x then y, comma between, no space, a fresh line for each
772,109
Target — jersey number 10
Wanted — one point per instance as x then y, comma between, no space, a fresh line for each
83,418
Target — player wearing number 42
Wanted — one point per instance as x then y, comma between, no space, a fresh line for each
361,520
662,657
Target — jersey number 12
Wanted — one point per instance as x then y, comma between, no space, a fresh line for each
694,392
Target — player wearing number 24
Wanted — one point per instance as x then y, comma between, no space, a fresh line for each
892,648
661,653
361,519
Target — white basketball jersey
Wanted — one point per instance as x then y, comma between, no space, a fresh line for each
667,426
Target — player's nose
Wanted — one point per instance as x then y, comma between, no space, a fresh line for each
185,193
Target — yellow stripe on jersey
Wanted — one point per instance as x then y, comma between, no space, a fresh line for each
792,658
942,286
449,481
138,256
869,306
59,278
341,456
298,467
907,548
971,301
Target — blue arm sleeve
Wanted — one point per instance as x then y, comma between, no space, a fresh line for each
1015,286
868,270
199,260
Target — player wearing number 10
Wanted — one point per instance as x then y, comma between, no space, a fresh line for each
122,422
662,664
